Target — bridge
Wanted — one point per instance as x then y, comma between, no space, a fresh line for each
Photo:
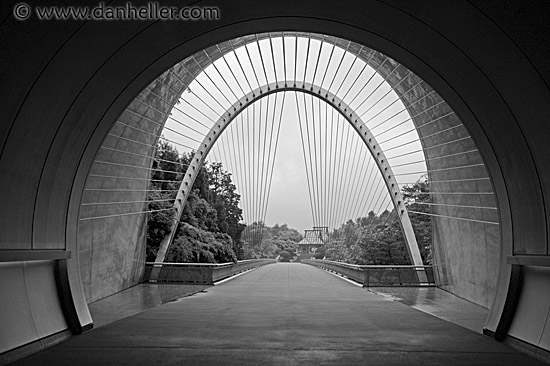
282,314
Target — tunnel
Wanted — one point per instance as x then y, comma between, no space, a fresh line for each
65,83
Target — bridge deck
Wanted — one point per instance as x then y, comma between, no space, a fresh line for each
281,314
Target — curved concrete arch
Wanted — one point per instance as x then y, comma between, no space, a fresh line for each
339,105
436,125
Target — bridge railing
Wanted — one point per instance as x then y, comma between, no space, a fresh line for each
198,273
379,276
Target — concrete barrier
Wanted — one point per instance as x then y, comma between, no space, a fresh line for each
378,276
198,273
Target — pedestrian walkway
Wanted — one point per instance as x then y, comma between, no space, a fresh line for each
281,314
138,299
438,302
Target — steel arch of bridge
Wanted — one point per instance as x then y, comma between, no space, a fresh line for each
356,122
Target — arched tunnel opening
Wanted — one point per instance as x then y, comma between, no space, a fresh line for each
405,128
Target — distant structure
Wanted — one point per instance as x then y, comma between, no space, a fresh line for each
312,241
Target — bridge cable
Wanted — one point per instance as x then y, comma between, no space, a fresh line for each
304,152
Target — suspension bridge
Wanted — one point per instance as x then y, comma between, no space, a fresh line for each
362,124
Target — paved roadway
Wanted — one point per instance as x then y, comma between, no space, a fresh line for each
281,314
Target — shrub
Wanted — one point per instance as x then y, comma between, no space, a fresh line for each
285,256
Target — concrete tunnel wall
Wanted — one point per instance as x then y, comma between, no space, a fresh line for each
111,248
111,245
464,51
465,253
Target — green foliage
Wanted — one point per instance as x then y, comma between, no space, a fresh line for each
378,239
198,212
415,195
263,241
285,256
290,251
337,251
161,195
158,224
383,245
209,230
194,244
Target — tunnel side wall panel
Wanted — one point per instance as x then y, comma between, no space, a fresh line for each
30,308
112,244
466,254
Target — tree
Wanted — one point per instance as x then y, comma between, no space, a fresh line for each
268,241
416,197
378,239
168,166
223,197
209,229
285,256
337,251
267,248
158,225
201,246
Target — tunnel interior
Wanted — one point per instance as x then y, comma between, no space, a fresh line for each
78,125
465,218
